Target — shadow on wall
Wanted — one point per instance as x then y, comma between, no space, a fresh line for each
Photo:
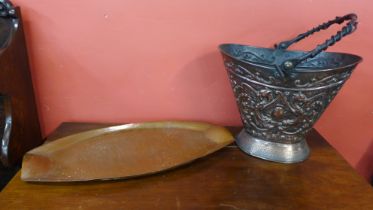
365,165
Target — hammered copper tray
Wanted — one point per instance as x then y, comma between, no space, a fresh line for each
123,151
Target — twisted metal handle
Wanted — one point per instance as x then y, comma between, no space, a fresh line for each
346,30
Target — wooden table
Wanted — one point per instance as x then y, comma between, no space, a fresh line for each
228,179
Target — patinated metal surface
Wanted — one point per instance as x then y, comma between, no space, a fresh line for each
123,151
282,93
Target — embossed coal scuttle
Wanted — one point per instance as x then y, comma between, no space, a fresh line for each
282,93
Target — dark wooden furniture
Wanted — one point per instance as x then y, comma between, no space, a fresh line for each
19,124
228,179
6,174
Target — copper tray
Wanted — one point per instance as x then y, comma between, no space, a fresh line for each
123,151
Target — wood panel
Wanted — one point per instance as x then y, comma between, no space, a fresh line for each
16,86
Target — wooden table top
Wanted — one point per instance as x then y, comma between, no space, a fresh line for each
227,179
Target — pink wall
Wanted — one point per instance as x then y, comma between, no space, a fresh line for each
138,60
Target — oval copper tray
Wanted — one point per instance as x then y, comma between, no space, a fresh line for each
123,151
